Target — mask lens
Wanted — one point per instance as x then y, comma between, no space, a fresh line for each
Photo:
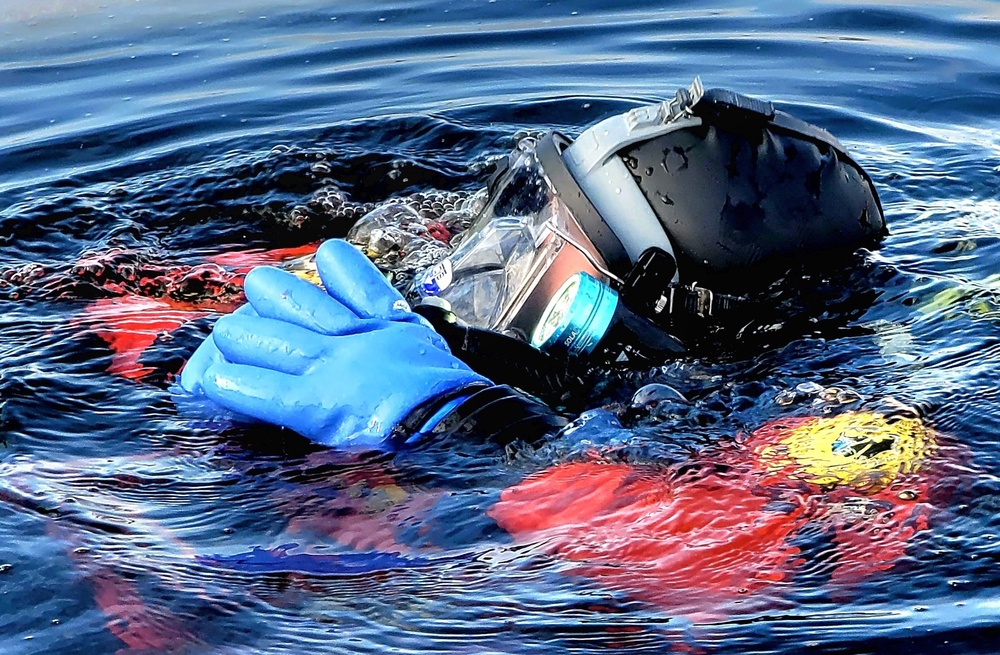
518,253
485,271
497,256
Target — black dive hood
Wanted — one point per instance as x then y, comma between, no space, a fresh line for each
726,190
615,246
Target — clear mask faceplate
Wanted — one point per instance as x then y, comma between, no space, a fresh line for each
516,255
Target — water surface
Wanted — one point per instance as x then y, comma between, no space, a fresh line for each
150,136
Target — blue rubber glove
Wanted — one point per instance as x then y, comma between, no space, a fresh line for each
342,367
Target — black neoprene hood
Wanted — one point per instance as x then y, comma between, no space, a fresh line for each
742,191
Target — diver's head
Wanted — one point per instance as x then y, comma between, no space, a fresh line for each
676,207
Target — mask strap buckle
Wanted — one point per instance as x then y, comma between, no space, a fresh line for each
704,300
692,299
668,111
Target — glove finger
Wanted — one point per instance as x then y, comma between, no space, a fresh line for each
267,343
204,356
194,369
280,295
357,284
259,393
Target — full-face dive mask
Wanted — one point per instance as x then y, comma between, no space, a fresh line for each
670,210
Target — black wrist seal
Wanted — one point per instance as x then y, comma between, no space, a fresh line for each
498,414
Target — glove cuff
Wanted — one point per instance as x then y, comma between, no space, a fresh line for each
495,413
427,416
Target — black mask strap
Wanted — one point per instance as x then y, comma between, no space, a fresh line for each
549,151
647,290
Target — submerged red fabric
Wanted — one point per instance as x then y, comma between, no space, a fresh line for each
696,538
681,543
152,303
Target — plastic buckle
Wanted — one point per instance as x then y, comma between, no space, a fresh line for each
684,101
680,106
704,300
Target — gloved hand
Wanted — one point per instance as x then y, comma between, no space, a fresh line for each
342,367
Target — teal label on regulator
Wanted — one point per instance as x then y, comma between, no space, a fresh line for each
577,317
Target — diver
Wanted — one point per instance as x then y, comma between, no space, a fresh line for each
607,248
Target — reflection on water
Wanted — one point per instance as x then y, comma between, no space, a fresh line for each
746,499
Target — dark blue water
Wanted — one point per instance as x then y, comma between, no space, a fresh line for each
167,133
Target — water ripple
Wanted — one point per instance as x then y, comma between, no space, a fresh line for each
166,134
